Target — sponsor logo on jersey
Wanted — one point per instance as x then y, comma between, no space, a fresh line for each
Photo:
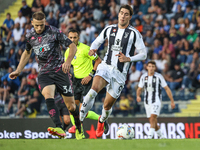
39,39
113,34
39,49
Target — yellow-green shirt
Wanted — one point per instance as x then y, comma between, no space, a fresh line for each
81,62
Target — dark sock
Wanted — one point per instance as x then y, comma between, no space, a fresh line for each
65,126
53,112
76,116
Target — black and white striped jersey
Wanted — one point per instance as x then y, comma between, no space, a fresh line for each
119,40
152,87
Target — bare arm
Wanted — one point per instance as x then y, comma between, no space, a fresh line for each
139,91
23,61
67,64
97,62
169,93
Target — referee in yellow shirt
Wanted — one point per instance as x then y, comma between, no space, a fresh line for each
83,74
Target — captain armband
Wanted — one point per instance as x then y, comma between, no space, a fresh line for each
92,73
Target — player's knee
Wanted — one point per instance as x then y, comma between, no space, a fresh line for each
71,107
95,88
67,121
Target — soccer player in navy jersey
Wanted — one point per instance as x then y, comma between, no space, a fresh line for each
45,41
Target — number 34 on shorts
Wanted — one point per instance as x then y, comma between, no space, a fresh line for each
68,89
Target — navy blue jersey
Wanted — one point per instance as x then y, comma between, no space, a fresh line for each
47,48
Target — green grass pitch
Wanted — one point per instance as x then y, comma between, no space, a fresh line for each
99,144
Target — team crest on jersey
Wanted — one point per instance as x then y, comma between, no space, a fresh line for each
74,57
114,30
39,39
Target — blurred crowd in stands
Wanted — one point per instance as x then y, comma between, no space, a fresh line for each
170,29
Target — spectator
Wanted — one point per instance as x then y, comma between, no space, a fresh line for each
162,5
195,14
32,75
4,92
175,79
133,79
175,38
189,77
12,58
157,47
166,26
51,20
28,67
149,39
17,34
124,105
61,11
18,55
89,10
8,24
159,15
138,25
143,8
51,7
153,7
179,13
188,25
90,30
20,19
25,9
2,47
37,6
147,25
22,43
168,49
188,13
192,36
32,103
184,4
186,52
14,84
81,7
104,9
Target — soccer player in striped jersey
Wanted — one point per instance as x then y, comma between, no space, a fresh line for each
152,82
83,74
112,71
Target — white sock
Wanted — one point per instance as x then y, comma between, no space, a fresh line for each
105,114
151,133
87,103
3,102
159,133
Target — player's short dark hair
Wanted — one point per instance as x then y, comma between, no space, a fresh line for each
127,7
39,15
8,14
73,31
151,62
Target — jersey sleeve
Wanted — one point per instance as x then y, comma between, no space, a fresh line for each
163,82
141,83
63,39
139,43
28,45
100,39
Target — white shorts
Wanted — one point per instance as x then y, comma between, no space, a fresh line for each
113,76
153,108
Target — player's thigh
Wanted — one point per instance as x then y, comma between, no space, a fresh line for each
63,83
98,83
155,108
49,91
148,110
44,80
109,101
